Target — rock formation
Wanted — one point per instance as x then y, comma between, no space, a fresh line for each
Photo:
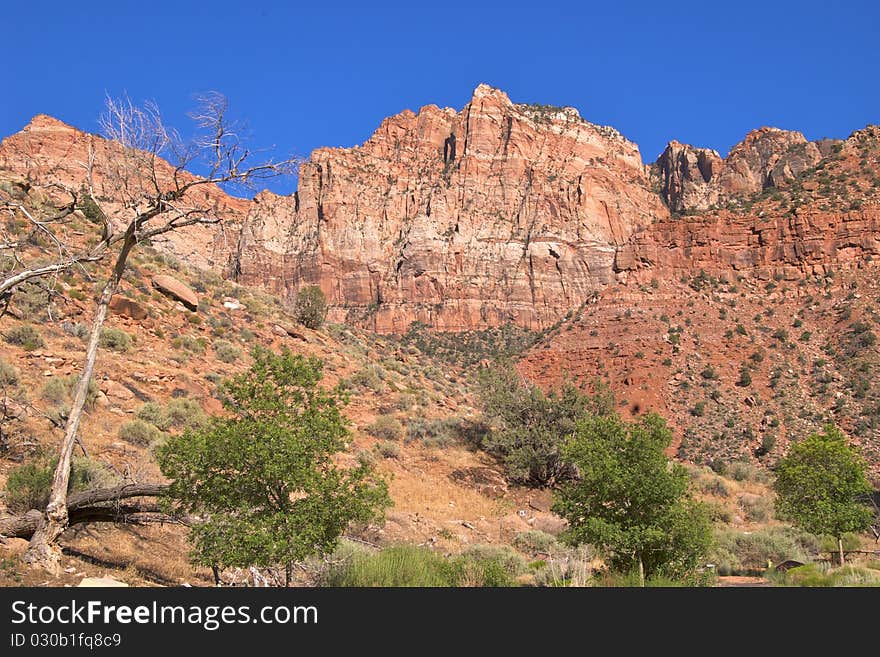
699,179
460,220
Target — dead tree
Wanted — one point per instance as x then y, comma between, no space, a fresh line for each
153,194
117,504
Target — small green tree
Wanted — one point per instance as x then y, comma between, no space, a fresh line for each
821,484
264,477
310,307
529,427
630,500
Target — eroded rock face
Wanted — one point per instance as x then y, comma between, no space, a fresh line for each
460,220
694,179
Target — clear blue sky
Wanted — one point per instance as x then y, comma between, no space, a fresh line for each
309,74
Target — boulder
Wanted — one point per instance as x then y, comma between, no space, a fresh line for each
129,308
101,582
173,288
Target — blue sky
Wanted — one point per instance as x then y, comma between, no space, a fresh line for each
315,74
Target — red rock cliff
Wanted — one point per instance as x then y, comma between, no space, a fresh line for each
500,212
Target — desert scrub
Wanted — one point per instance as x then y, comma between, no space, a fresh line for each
24,336
370,377
440,432
182,413
190,344
60,390
535,540
745,553
387,449
386,428
140,433
115,339
9,374
225,351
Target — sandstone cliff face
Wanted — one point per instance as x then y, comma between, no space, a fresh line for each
459,220
510,213
698,178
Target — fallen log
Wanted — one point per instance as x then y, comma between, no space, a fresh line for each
99,505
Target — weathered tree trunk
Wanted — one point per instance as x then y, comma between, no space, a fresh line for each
91,506
840,548
288,574
641,571
43,549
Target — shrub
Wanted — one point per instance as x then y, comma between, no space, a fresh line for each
699,409
115,339
27,486
24,336
190,344
745,471
369,377
387,449
310,307
9,374
226,352
529,426
140,433
737,552
181,413
440,432
404,402
60,390
535,540
756,508
386,428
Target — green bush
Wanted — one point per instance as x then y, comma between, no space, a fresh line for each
27,486
386,428
140,433
226,352
115,339
9,374
24,336
310,307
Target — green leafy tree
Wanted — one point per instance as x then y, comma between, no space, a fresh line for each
264,476
630,500
310,307
529,427
822,486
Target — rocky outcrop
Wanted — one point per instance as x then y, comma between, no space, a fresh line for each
497,213
50,152
696,179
